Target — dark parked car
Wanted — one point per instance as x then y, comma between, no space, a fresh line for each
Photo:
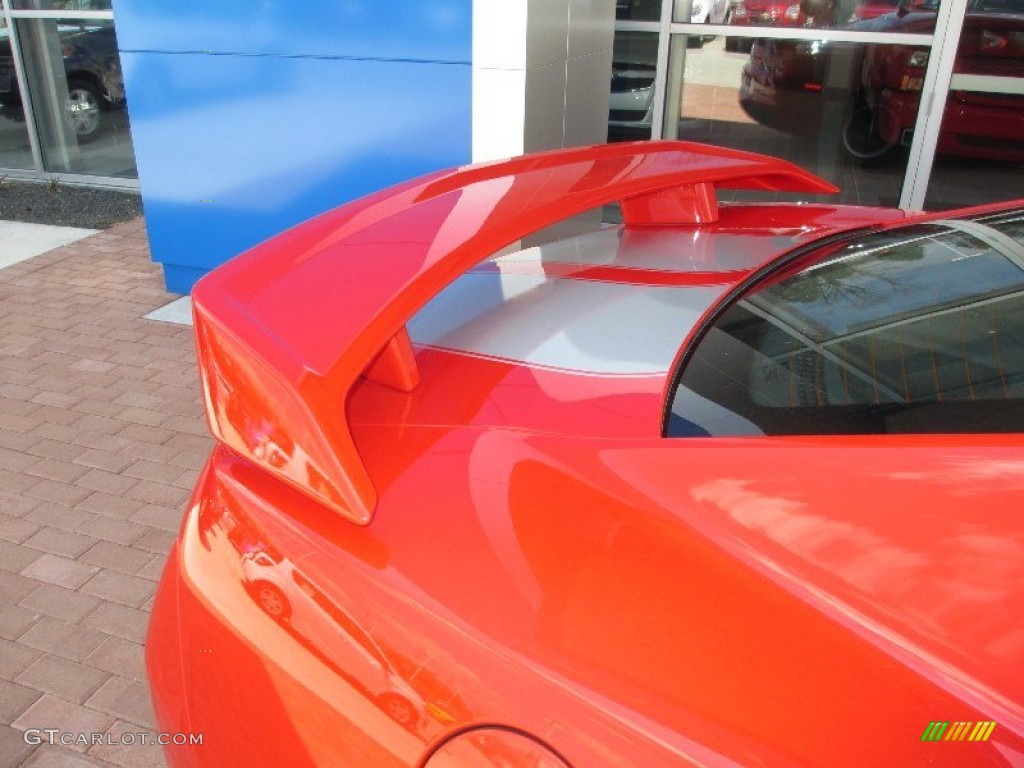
93,71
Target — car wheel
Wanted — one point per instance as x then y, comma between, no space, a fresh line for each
398,708
272,600
84,109
862,139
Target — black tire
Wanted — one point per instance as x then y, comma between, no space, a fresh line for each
862,140
271,599
84,109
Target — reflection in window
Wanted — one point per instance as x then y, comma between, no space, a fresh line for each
15,150
910,331
62,5
980,145
637,10
631,106
77,94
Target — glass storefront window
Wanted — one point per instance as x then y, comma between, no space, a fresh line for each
981,138
702,11
819,104
15,150
62,5
637,10
631,106
77,95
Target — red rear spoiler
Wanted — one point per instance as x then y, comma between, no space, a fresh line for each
285,330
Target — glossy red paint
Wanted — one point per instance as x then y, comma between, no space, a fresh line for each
546,581
401,247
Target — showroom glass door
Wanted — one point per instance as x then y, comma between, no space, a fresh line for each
835,86
978,131
15,145
64,112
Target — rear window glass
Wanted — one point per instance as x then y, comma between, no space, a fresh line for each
915,330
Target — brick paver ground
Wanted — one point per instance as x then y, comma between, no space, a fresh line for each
101,438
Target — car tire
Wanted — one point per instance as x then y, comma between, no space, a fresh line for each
271,600
861,139
84,109
399,709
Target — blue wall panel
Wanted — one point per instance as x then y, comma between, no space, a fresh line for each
422,30
233,147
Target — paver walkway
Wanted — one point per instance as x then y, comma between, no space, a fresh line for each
101,439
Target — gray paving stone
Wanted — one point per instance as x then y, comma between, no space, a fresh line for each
14,658
13,749
60,571
64,679
64,604
15,699
126,700
53,712
57,637
14,620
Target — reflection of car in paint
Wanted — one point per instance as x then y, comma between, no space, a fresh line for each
785,82
647,495
288,596
93,71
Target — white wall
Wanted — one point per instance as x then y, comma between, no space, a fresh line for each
541,72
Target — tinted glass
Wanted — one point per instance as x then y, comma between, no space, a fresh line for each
631,104
637,10
62,5
918,330
76,88
15,150
816,103
980,143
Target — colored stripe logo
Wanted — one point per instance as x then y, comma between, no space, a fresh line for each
958,731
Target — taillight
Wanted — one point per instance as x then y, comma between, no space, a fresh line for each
914,81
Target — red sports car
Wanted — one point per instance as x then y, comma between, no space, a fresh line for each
791,84
764,13
721,485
